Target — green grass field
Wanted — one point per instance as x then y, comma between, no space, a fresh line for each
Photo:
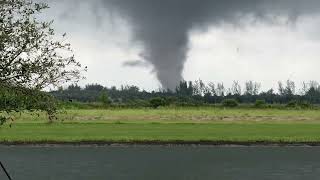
214,125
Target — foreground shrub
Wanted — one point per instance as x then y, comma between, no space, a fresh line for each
230,103
299,105
18,99
292,104
305,105
157,102
260,104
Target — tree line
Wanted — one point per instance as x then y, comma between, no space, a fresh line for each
196,92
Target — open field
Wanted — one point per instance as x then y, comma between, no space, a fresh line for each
179,115
181,125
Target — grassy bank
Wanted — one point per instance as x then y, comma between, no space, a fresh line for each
215,132
185,125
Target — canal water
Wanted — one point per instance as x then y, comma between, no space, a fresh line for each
160,162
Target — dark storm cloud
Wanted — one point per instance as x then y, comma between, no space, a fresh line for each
135,63
163,26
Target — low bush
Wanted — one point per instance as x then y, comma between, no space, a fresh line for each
230,103
157,102
305,105
18,99
292,104
260,104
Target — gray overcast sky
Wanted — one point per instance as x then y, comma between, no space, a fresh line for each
249,49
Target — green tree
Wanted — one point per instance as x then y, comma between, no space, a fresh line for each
230,103
252,88
157,102
236,88
104,98
31,57
220,91
30,54
260,104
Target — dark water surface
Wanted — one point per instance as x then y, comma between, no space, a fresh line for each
159,162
